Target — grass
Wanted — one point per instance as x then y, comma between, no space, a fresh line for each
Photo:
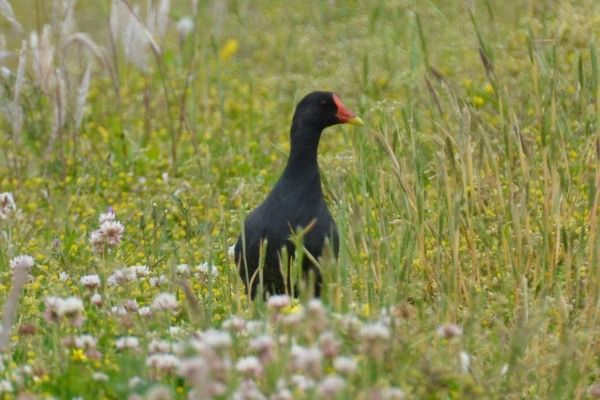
469,200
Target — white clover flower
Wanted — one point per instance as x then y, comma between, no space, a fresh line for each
109,234
21,262
7,205
307,359
164,302
329,344
234,324
70,306
159,346
97,240
316,315
216,339
129,274
302,382
263,345
294,318
315,306
163,362
85,342
69,309
108,216
131,305
118,310
278,302
96,299
182,269
157,281
330,386
351,324
91,281
127,342
52,302
375,332
196,370
116,278
112,232
345,365
250,367
449,331
374,340
248,391
207,269
112,280
145,311
139,271
100,377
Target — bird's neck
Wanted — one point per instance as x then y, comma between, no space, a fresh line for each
303,152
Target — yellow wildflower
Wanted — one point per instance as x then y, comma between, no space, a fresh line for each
78,355
478,101
229,49
366,310
294,307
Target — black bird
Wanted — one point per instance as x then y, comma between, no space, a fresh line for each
295,202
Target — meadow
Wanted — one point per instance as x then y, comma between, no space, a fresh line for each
136,135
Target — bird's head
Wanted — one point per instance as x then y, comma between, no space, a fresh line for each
319,110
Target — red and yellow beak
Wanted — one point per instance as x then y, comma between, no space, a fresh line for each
344,114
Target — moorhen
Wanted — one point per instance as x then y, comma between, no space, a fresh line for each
296,202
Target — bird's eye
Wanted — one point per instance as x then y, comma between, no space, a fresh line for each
323,103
